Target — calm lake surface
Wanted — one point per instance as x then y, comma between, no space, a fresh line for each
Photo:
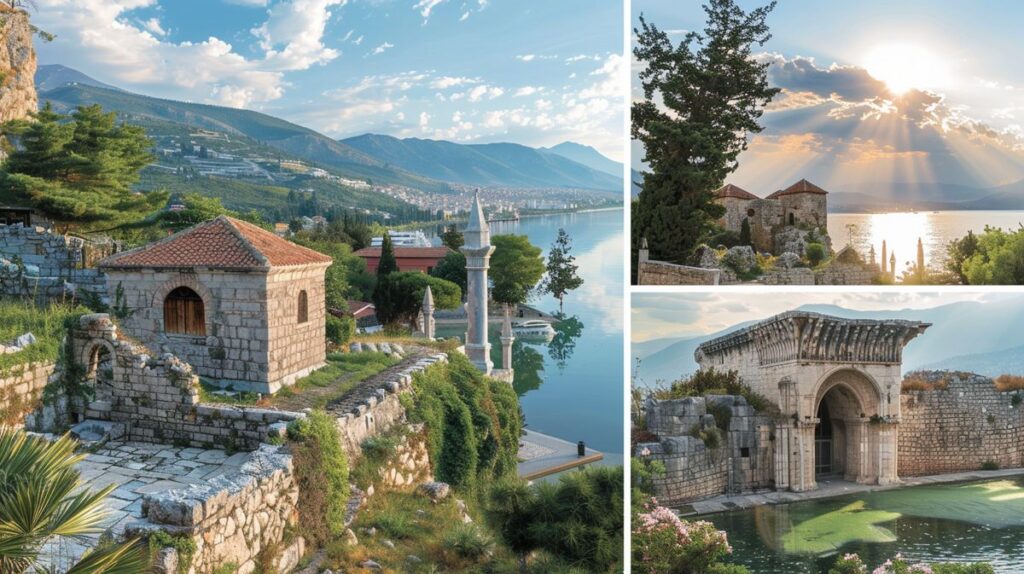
901,230
571,388
965,522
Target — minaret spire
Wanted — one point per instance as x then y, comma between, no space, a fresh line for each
478,250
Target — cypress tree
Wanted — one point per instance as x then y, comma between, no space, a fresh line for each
387,264
702,98
745,232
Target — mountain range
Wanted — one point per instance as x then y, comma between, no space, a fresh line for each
424,164
970,336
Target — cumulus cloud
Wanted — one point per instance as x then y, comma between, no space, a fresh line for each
153,25
292,35
425,7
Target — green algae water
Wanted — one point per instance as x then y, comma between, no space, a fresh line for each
964,522
571,387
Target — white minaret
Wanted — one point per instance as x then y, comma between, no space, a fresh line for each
477,249
427,309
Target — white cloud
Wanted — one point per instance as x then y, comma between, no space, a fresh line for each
526,91
424,121
610,83
153,25
292,35
382,48
358,41
426,7
248,2
445,82
532,57
464,17
483,91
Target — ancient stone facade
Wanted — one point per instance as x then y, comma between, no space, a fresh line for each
662,273
21,389
45,266
801,205
17,66
244,307
960,427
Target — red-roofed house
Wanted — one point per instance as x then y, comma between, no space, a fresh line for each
422,259
802,204
243,306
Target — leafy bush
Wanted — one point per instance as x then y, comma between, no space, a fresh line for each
712,437
990,465
918,381
578,519
712,382
340,329
183,544
995,257
816,253
852,564
664,543
1009,383
469,541
321,469
473,423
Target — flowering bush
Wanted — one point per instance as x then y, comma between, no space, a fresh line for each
665,544
852,564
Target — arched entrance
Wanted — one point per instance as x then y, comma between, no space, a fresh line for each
99,361
846,443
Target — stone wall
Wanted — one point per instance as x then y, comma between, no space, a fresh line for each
17,66
21,389
662,273
959,428
806,208
240,518
296,349
794,276
844,274
695,470
46,266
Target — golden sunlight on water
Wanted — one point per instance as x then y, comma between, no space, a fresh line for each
901,230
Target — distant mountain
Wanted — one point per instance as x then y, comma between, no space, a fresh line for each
500,164
963,336
53,76
587,156
279,134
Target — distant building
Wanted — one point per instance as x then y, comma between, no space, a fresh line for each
403,239
281,229
802,204
422,259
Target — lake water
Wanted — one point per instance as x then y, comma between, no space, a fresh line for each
572,388
966,522
901,230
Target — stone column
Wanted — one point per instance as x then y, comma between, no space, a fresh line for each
478,250
887,453
427,310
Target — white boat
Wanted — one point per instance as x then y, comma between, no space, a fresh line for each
533,329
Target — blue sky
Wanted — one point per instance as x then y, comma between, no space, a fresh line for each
531,72
877,90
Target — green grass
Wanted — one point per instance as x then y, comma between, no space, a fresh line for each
46,323
344,371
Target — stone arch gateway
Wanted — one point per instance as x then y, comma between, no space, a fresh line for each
836,383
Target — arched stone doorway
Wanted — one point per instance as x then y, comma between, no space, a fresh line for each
847,444
100,362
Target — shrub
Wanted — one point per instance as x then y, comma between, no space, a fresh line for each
662,542
920,381
394,524
815,253
1009,383
340,329
321,469
990,465
713,382
712,437
183,544
852,564
469,541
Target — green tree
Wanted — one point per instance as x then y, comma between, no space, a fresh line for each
562,270
399,296
702,99
41,497
815,253
452,238
452,268
563,344
745,232
959,251
516,267
387,263
78,170
198,209
998,258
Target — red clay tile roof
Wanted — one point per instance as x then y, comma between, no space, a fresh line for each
803,186
730,190
222,242
775,194
408,252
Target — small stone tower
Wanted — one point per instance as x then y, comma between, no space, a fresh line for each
427,312
478,250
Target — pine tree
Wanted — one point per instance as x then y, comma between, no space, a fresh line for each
387,264
451,238
745,232
562,270
702,99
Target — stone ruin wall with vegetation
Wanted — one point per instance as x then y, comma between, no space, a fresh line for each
45,266
21,389
734,462
964,426
662,273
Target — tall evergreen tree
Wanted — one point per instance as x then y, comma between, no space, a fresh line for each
562,269
451,238
387,264
702,99
745,232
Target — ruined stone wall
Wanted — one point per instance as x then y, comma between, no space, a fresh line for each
236,345
21,389
46,266
240,519
662,273
844,274
695,470
295,349
807,208
794,276
959,428
764,216
17,66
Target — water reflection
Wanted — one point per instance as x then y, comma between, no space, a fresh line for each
970,521
562,346
528,364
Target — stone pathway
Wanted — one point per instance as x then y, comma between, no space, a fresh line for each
831,489
137,469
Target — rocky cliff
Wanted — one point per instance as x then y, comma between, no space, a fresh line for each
17,66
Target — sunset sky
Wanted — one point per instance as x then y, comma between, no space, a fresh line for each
530,72
878,91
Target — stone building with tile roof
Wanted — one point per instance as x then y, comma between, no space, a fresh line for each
802,205
243,306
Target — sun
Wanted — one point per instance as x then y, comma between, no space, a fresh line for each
904,67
